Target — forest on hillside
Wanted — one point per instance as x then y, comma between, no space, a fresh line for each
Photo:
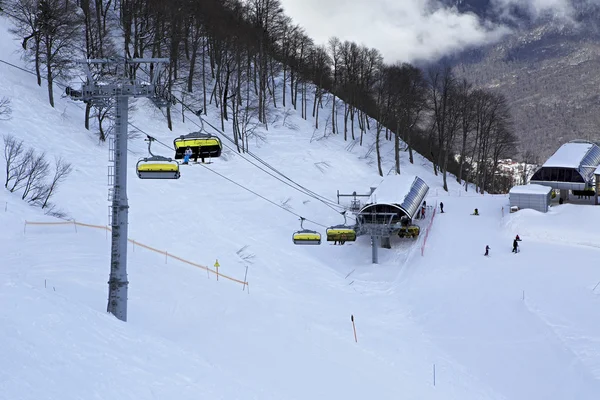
247,57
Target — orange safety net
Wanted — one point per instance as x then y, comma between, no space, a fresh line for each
134,242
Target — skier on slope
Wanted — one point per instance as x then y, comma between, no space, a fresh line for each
515,246
487,250
441,207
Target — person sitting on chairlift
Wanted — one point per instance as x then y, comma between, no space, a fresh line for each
186,156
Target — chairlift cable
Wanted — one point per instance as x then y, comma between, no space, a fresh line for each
257,166
330,203
238,184
308,192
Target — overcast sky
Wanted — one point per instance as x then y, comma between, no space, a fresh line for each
405,30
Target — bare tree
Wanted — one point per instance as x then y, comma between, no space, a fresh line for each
529,158
37,169
5,109
62,169
13,151
59,25
467,120
25,17
445,114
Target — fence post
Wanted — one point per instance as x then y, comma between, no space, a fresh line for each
166,256
75,225
245,276
24,227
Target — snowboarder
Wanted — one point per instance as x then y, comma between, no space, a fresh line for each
441,207
515,246
187,155
487,250
476,212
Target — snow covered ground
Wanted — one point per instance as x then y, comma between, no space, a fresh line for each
509,326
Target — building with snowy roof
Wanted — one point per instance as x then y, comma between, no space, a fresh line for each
536,197
395,197
571,167
597,174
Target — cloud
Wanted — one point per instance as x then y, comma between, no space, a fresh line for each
407,30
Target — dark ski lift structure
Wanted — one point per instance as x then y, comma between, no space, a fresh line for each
157,167
341,233
391,210
306,236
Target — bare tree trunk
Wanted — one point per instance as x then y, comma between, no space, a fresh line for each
88,108
378,149
397,148
346,112
49,71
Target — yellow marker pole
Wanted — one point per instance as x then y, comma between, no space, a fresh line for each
217,268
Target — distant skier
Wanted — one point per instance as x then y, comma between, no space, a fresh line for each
441,207
487,250
186,156
515,246
476,212
423,212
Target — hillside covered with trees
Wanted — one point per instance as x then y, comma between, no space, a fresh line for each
246,57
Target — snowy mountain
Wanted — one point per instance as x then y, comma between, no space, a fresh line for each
433,320
546,68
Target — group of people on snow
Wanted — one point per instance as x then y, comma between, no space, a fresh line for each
515,248
421,214
517,239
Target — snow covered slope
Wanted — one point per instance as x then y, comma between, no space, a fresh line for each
289,336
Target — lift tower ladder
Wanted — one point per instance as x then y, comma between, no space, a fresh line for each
98,93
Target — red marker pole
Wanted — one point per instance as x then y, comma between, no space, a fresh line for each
354,328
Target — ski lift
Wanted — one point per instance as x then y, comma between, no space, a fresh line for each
341,233
203,145
157,167
306,236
